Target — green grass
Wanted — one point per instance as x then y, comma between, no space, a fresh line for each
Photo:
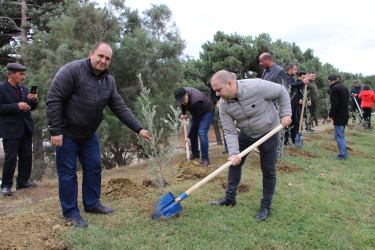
329,205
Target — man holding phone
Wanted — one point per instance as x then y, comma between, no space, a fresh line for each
16,128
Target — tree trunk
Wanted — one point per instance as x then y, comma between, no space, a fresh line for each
215,124
23,21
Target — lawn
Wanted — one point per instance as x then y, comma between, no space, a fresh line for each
319,203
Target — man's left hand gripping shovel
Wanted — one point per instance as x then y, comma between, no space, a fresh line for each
168,205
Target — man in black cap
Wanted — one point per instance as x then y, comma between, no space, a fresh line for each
16,128
202,112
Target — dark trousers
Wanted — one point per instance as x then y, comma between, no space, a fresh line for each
309,122
88,153
21,148
367,117
296,117
268,158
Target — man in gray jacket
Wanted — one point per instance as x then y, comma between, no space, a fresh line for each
249,102
75,103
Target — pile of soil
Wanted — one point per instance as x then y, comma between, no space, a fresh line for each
192,170
242,188
283,167
31,231
121,188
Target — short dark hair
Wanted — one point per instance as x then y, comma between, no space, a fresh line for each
96,46
290,66
301,73
311,72
366,87
333,77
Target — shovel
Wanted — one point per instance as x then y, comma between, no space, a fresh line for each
299,141
168,205
359,108
186,143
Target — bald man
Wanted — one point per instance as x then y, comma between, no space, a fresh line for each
272,72
249,102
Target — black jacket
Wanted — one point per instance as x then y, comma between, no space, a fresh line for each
13,121
77,98
339,104
296,92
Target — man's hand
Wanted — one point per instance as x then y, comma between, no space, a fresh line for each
33,97
329,119
286,121
183,116
235,159
145,134
187,140
24,106
57,140
300,101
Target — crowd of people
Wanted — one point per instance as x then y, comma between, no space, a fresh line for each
248,109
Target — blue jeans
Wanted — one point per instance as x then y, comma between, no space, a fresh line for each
268,158
88,153
341,142
204,126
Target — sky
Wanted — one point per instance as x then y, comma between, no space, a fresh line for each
341,33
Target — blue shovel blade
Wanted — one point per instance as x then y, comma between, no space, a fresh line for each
298,141
166,207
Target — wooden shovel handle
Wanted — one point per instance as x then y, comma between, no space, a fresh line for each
303,109
242,154
186,144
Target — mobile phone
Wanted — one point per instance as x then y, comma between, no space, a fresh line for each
33,89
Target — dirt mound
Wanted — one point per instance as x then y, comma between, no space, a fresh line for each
31,231
192,170
283,167
301,152
242,188
120,188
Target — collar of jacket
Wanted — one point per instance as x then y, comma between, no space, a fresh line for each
105,72
239,92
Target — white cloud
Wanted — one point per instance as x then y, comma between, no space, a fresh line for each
339,32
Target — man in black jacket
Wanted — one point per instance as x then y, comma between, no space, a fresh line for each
16,128
291,71
77,97
296,96
339,113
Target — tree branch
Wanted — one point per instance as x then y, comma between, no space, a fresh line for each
11,20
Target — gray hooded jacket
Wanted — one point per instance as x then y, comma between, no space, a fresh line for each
253,110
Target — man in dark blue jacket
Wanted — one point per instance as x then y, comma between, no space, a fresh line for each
354,92
16,128
77,97
202,111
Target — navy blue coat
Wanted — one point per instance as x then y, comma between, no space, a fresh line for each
13,121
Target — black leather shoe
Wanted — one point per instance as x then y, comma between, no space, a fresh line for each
100,210
223,202
26,185
192,157
6,191
77,221
263,214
